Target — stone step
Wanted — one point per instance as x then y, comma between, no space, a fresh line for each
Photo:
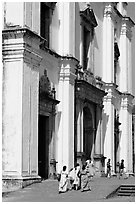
126,194
126,190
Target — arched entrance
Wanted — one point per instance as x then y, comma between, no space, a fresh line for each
88,133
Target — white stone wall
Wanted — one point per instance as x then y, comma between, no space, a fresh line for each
12,117
20,105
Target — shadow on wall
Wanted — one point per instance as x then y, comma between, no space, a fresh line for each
105,119
120,133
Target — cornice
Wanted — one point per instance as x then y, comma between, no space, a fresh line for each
17,31
69,58
128,21
127,95
14,32
86,91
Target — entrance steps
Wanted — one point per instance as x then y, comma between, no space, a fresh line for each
126,190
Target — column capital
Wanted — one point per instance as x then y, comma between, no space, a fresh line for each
126,26
127,101
111,11
68,68
112,93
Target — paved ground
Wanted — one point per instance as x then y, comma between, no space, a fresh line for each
47,191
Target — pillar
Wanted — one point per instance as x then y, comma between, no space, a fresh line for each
125,117
98,130
125,75
52,147
108,43
78,126
125,56
81,44
97,154
66,110
66,28
80,154
108,118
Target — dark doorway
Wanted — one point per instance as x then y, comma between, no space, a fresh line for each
43,147
88,132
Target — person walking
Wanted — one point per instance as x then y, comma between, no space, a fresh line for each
90,170
122,168
63,183
90,167
71,179
108,169
84,180
76,182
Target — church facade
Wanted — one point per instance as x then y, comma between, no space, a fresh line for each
67,88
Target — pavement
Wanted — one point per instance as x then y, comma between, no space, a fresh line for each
47,191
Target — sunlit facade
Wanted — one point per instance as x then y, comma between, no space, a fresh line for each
67,88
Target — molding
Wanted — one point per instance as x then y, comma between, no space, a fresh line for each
13,32
69,58
43,46
68,67
113,95
19,47
126,26
85,91
127,101
111,11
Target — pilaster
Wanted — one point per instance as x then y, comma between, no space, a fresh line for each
125,117
20,105
108,120
66,109
66,28
98,130
108,43
125,55
98,140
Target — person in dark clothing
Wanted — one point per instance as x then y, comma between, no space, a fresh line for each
108,169
85,186
122,167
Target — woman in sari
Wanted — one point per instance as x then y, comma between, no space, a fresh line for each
84,180
77,176
63,180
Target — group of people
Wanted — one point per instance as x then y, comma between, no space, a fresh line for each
77,177
119,170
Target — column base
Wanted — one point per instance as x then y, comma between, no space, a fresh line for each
12,183
99,164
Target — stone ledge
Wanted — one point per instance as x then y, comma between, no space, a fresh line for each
13,183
